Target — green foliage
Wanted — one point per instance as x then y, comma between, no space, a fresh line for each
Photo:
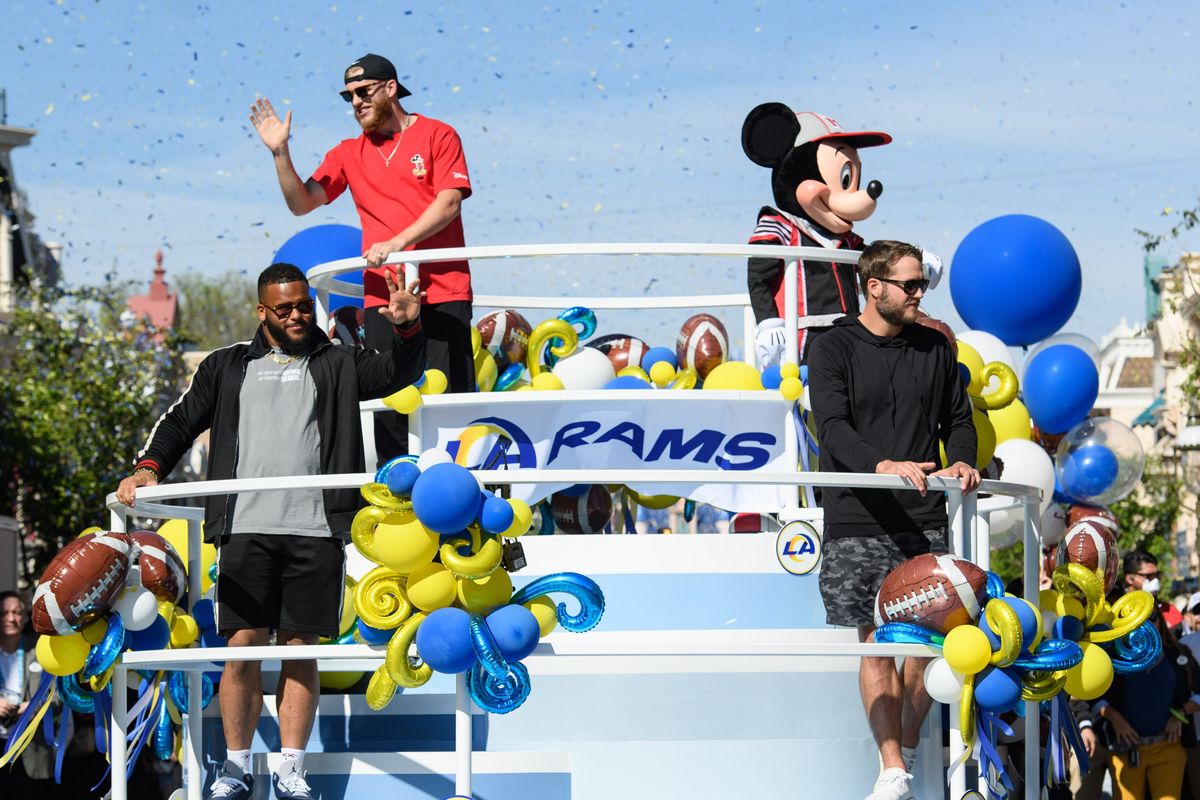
215,311
78,397
1009,562
1188,218
1147,517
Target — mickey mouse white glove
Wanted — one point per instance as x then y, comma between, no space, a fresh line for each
932,267
770,342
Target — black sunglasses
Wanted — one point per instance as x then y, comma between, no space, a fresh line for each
909,287
305,307
362,92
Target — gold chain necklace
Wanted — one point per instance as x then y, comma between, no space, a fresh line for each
278,359
387,160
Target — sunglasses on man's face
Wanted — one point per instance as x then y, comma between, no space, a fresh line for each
909,287
305,307
362,92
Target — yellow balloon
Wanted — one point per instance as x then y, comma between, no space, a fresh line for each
545,612
1066,605
656,502
167,610
1091,677
522,518
986,437
347,618
62,655
184,631
339,681
485,595
1005,393
545,332
662,373
969,357
93,529
1011,422
791,389
685,379
476,340
737,375
789,370
175,532
636,372
380,599
402,543
431,587
95,631
397,663
967,649
484,558
486,371
405,401
547,382
381,688
435,383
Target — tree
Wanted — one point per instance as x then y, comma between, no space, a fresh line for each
78,396
216,310
1147,517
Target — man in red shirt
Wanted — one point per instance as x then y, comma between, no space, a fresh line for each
408,177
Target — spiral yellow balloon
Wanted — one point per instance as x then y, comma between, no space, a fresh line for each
685,379
377,494
381,689
1005,393
1076,580
1130,611
636,372
381,600
346,620
652,501
1004,622
542,334
362,530
1039,686
483,560
399,668
486,371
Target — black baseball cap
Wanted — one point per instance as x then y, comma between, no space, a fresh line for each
373,67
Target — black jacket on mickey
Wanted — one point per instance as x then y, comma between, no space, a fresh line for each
343,376
874,399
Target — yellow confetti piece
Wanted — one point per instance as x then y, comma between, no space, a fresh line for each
49,109
49,40
1167,210
564,204
85,97
600,87
456,89
486,29
191,81
596,208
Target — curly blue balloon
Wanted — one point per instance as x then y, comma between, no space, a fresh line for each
1138,650
511,374
382,473
177,691
105,652
689,510
499,696
995,586
1052,655
164,736
546,528
581,587
584,321
212,572
75,696
907,633
486,649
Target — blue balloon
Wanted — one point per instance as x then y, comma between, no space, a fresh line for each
657,354
320,244
1068,627
210,638
804,374
1089,471
515,629
204,613
1017,277
627,382
446,498
444,640
771,377
154,637
997,689
401,478
1061,385
371,635
496,516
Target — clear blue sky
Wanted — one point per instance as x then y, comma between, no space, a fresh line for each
611,122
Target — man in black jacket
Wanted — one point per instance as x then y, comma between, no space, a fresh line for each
884,392
285,403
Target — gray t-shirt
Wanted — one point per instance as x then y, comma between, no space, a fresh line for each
277,435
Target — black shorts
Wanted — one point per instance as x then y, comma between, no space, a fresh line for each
280,582
853,569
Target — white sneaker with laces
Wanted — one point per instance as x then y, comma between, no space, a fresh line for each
229,787
292,786
892,785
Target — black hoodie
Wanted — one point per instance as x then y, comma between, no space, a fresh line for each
874,399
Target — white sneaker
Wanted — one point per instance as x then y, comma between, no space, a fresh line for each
892,785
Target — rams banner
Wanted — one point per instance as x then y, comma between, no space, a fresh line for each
706,435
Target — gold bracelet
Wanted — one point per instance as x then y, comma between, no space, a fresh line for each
152,472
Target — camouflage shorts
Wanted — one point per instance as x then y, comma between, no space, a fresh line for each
853,568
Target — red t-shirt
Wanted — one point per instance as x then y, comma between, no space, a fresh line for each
391,189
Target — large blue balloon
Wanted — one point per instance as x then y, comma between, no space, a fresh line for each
444,640
997,690
320,244
1089,471
1060,387
446,498
1017,277
515,629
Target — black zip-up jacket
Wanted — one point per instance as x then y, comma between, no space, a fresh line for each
893,399
343,376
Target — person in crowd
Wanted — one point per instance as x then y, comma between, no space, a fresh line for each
884,391
285,403
408,177
30,775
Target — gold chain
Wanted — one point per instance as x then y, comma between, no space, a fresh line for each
278,359
387,160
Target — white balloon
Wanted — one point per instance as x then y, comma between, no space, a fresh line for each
1054,524
1026,463
1006,529
586,368
137,607
1074,339
433,457
990,349
943,683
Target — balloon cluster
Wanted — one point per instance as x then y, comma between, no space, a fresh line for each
439,584
408,399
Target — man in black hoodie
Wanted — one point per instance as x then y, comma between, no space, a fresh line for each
884,392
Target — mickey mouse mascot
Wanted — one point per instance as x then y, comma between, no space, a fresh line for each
815,176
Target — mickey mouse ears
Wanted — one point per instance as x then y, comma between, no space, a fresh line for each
771,130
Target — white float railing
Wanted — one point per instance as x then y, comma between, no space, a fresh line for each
965,541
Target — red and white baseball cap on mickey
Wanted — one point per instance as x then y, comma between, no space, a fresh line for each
816,127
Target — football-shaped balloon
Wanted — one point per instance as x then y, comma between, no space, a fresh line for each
81,583
505,334
702,344
587,512
1092,543
347,325
938,592
162,569
942,328
1081,511
622,350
